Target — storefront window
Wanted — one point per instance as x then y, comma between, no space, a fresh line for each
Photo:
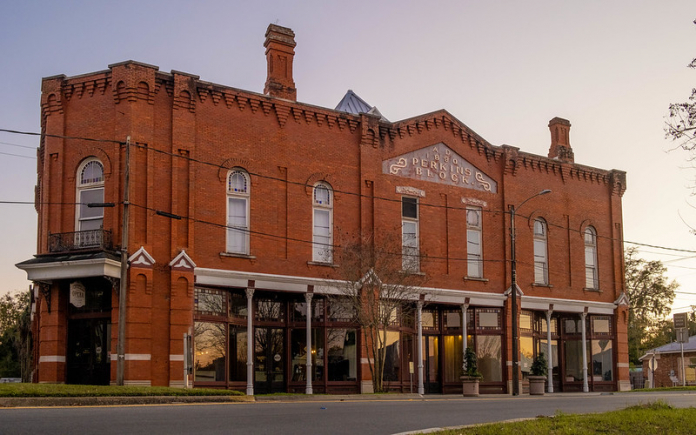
573,360
210,302
488,319
392,358
602,360
270,311
526,355
488,352
554,326
341,311
238,305
298,343
543,347
453,357
238,353
299,311
342,349
453,319
526,321
429,319
210,343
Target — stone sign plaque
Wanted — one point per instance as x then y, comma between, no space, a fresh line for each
439,164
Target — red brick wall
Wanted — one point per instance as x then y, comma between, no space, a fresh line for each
285,145
665,364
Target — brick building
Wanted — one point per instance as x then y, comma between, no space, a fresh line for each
239,204
662,367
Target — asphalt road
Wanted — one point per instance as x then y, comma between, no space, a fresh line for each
314,417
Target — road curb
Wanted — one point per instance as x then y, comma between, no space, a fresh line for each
17,402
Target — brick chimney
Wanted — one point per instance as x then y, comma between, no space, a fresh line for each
560,140
280,50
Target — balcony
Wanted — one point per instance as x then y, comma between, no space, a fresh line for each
80,241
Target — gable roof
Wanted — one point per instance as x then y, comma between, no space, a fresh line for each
674,347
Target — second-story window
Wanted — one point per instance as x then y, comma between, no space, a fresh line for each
238,212
474,251
541,258
90,189
410,251
322,235
591,275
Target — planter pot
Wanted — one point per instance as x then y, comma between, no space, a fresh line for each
470,385
536,385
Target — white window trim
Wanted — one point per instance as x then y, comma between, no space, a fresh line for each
479,229
595,266
545,239
410,261
327,258
80,188
246,196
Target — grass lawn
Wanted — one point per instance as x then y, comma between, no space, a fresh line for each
61,390
652,418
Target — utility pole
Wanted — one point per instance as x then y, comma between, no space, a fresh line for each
121,348
513,289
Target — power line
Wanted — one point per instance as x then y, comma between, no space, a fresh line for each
29,133
18,145
18,155
218,166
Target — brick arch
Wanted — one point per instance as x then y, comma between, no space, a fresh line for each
51,104
316,177
96,153
140,284
538,215
229,164
119,91
182,287
587,223
185,101
144,93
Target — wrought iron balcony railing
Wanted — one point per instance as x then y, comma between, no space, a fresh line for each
80,240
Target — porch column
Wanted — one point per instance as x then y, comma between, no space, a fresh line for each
549,355
419,325
250,342
585,388
465,344
308,300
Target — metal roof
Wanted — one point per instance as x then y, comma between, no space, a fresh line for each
351,103
673,348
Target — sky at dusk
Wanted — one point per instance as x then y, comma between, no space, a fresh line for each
504,68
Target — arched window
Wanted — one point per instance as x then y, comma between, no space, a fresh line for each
322,236
541,257
238,212
591,274
90,190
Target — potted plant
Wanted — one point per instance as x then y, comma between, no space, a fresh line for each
538,374
470,375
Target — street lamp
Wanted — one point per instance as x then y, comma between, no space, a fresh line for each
513,289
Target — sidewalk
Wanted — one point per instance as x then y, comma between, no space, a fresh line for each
33,402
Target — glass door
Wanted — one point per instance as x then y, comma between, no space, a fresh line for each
88,350
269,360
431,364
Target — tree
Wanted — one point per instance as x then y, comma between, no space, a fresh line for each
15,335
380,293
681,125
651,296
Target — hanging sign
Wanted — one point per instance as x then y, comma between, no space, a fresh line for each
77,294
